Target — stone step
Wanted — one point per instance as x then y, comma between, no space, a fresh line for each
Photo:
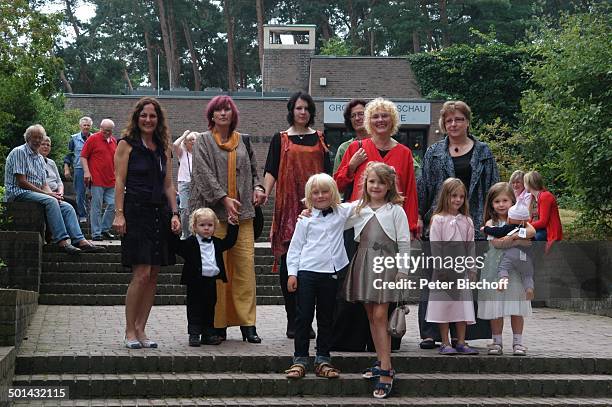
162,289
153,384
329,402
125,278
155,361
116,248
119,299
82,258
74,267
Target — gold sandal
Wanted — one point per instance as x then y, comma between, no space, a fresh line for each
327,371
295,371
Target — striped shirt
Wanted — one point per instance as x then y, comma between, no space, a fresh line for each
22,160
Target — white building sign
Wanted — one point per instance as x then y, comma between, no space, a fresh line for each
410,112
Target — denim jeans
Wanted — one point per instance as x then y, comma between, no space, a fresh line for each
541,235
61,217
102,222
314,290
79,190
183,191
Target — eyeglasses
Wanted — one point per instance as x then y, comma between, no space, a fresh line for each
457,120
357,114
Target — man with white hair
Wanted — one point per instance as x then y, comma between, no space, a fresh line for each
25,181
97,160
73,159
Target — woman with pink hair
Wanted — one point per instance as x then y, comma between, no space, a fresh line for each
224,178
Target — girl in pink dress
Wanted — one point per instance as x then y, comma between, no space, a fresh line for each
447,303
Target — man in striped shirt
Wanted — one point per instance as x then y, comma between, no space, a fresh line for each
24,181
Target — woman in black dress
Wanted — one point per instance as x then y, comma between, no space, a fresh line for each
145,211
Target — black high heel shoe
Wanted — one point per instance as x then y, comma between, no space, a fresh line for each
249,333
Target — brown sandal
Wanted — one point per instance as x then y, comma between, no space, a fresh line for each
295,371
327,370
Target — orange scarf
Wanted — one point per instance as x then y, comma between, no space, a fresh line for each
230,146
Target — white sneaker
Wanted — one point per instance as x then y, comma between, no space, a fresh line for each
82,219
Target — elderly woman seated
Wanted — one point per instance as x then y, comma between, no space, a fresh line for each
54,181
25,181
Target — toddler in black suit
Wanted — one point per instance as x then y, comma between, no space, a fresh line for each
203,254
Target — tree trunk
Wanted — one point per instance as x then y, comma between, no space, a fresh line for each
176,65
229,21
127,79
371,41
416,42
168,49
65,82
352,24
444,22
427,27
72,19
260,33
150,59
197,78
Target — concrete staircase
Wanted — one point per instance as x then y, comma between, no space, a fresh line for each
100,279
225,380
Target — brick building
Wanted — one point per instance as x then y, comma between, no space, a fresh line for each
290,64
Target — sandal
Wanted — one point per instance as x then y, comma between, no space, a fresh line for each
495,349
295,371
372,372
385,387
327,371
519,350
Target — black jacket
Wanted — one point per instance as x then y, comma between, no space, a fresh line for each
189,249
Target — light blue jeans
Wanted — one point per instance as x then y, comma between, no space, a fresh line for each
183,191
102,222
61,217
79,190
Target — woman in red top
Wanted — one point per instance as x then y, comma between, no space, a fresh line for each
546,221
381,122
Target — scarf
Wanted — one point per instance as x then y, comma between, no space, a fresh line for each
230,146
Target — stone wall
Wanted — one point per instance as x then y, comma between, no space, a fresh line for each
17,307
21,252
8,355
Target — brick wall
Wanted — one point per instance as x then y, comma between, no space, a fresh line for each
286,68
22,254
8,355
363,77
17,307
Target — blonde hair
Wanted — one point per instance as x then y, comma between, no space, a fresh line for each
517,175
387,176
202,213
386,106
453,106
450,186
500,188
321,181
534,181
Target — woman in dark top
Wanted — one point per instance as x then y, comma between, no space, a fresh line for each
144,197
462,156
294,155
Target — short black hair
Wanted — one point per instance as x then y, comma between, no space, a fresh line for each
347,112
312,109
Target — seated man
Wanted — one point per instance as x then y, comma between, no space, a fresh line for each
24,180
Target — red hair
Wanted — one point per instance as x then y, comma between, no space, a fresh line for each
218,103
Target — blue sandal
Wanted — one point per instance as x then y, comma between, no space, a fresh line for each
372,372
385,387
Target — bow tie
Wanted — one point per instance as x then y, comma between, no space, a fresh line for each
206,239
327,211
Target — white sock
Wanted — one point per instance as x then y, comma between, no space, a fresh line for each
497,339
517,339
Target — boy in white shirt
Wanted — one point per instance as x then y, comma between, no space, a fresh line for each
315,255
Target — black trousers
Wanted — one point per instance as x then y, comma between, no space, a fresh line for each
290,300
201,300
315,290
